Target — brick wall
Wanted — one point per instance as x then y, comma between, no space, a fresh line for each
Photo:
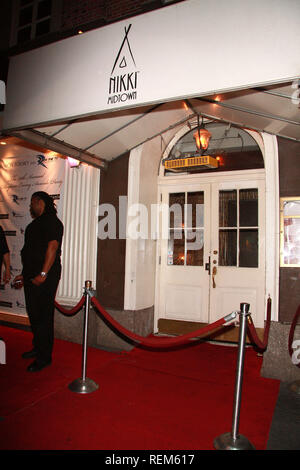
120,8
80,12
69,16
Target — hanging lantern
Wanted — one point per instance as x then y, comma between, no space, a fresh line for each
202,137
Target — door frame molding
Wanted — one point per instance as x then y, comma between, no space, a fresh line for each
269,148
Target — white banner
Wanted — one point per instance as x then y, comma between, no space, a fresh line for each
22,173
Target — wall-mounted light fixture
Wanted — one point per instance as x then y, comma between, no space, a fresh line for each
73,163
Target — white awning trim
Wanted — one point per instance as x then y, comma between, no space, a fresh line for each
42,140
100,139
249,111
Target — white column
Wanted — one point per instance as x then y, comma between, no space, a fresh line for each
272,221
79,209
132,245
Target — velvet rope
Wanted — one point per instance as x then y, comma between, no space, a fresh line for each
292,332
157,342
73,310
261,345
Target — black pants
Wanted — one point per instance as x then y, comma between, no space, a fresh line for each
40,308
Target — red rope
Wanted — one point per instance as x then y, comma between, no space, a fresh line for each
156,342
292,332
73,310
262,345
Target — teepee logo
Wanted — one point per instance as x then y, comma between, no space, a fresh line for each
123,80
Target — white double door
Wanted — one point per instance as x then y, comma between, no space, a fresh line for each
212,249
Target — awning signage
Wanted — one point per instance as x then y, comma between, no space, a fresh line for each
123,81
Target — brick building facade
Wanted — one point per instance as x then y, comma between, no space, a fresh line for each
28,24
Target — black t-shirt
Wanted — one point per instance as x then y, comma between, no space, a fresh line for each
3,246
38,234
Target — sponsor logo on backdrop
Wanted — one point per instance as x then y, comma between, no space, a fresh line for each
124,77
40,160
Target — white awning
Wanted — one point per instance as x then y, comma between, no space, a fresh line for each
101,94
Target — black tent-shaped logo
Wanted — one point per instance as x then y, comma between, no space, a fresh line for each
124,56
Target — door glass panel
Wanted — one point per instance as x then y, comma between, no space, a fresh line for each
194,247
176,249
195,209
248,207
186,229
248,253
228,208
238,246
176,208
227,247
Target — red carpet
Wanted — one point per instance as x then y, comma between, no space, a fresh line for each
176,400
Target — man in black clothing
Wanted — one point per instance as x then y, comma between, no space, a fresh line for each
4,258
40,276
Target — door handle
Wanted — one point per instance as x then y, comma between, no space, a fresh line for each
214,272
207,266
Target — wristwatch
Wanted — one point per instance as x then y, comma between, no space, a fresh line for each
43,274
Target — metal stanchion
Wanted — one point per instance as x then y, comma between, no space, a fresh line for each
84,384
233,440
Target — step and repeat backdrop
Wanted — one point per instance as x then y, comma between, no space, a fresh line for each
23,172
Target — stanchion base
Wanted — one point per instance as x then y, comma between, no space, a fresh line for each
83,386
227,442
295,387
